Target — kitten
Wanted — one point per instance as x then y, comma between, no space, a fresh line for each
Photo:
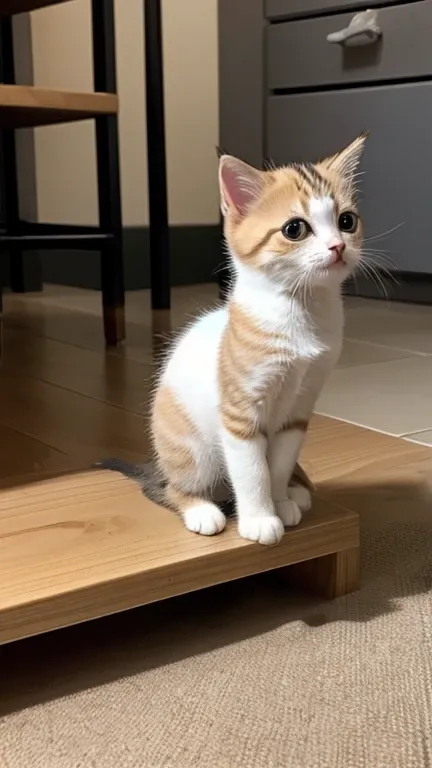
238,389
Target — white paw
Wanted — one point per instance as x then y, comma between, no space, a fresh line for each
288,512
265,530
204,518
301,496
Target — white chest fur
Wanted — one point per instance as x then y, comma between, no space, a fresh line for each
308,339
307,330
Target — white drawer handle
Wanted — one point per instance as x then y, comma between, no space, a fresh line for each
365,23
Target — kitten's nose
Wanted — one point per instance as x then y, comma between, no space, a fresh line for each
337,248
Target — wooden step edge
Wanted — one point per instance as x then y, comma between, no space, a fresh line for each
30,97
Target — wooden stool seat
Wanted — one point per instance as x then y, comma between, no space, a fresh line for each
23,106
13,7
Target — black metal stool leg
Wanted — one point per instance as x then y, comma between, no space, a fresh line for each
9,181
110,217
1,317
156,157
25,269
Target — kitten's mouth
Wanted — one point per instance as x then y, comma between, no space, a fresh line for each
336,261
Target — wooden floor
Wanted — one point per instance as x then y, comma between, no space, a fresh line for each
65,402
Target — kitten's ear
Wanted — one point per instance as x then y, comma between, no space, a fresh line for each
345,162
240,185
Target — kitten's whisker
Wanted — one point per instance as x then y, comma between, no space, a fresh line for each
388,275
376,252
305,289
383,234
371,276
378,261
384,266
370,271
354,276
372,258
296,286
220,268
379,251
269,164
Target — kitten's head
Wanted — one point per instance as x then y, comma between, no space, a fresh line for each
299,224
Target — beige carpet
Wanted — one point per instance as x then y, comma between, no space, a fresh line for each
248,675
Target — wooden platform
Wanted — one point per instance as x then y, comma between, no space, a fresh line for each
87,544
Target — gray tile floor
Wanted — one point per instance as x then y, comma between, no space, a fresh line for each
383,379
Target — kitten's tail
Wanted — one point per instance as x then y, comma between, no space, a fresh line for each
147,476
153,484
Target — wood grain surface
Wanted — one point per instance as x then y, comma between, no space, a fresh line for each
25,106
87,544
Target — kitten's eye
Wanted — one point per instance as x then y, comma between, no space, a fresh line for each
296,229
348,222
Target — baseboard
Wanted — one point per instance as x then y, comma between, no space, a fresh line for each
412,287
196,254
196,257
31,270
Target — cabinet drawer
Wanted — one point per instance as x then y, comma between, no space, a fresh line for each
396,189
299,55
286,9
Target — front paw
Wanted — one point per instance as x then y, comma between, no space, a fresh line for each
263,529
205,518
288,511
301,496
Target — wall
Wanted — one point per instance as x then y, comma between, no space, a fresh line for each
65,155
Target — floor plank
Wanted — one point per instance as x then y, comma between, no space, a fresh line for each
377,475
22,454
93,373
337,450
73,316
84,428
